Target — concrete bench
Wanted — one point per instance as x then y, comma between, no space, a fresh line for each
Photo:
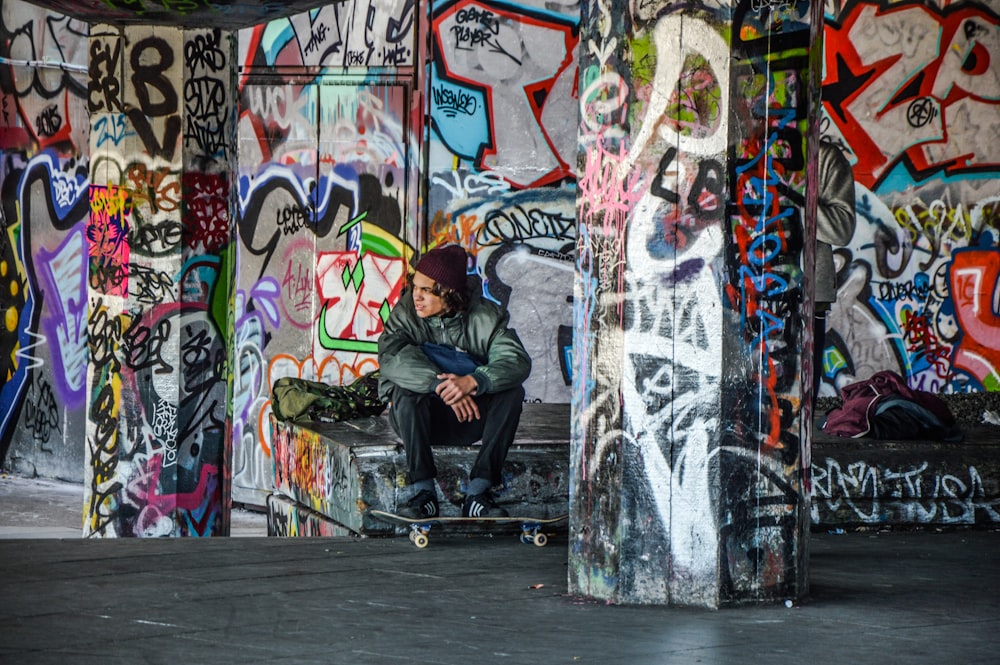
335,472
328,475
868,482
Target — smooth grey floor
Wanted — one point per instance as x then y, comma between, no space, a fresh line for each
876,598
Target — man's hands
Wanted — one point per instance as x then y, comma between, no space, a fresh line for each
457,391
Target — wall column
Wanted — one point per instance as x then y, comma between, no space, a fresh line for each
162,105
689,447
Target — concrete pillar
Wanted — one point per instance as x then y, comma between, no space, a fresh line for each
162,105
689,448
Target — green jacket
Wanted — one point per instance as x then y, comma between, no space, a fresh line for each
481,332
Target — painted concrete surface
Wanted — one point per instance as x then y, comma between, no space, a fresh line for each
870,482
41,508
914,598
286,518
220,13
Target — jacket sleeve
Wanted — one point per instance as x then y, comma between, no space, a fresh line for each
401,359
508,364
835,210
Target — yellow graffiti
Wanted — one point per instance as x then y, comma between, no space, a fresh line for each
17,276
108,202
937,222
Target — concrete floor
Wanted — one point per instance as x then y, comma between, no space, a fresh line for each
876,598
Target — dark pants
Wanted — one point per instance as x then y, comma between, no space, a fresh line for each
423,419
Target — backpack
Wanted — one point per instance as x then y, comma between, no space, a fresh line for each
903,419
302,400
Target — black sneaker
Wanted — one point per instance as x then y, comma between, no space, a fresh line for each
482,505
423,504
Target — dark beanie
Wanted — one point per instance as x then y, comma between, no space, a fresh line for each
446,266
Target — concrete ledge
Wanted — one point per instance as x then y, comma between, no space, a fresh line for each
340,470
869,482
285,518
328,475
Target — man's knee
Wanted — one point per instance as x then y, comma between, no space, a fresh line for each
405,405
510,400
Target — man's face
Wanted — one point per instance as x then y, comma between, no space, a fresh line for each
424,300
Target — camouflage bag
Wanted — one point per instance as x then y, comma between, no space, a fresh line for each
301,400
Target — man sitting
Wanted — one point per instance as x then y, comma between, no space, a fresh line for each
452,371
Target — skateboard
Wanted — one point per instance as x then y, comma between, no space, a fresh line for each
531,527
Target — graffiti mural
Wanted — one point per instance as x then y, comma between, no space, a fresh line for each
909,91
691,191
339,34
227,15
43,242
158,295
502,146
865,492
674,248
903,82
326,209
764,493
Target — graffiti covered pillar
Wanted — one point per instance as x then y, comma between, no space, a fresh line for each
688,439
162,105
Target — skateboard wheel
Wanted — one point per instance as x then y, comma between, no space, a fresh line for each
541,539
526,537
420,540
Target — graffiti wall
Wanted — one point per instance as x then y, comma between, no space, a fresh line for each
501,177
689,288
158,264
44,178
337,124
881,490
327,206
336,130
911,93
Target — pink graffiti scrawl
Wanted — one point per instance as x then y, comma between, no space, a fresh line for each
107,236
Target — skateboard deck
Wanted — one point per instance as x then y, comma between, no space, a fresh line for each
419,529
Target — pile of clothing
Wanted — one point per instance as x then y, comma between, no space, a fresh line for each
884,407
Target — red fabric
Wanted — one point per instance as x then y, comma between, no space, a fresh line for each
852,418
